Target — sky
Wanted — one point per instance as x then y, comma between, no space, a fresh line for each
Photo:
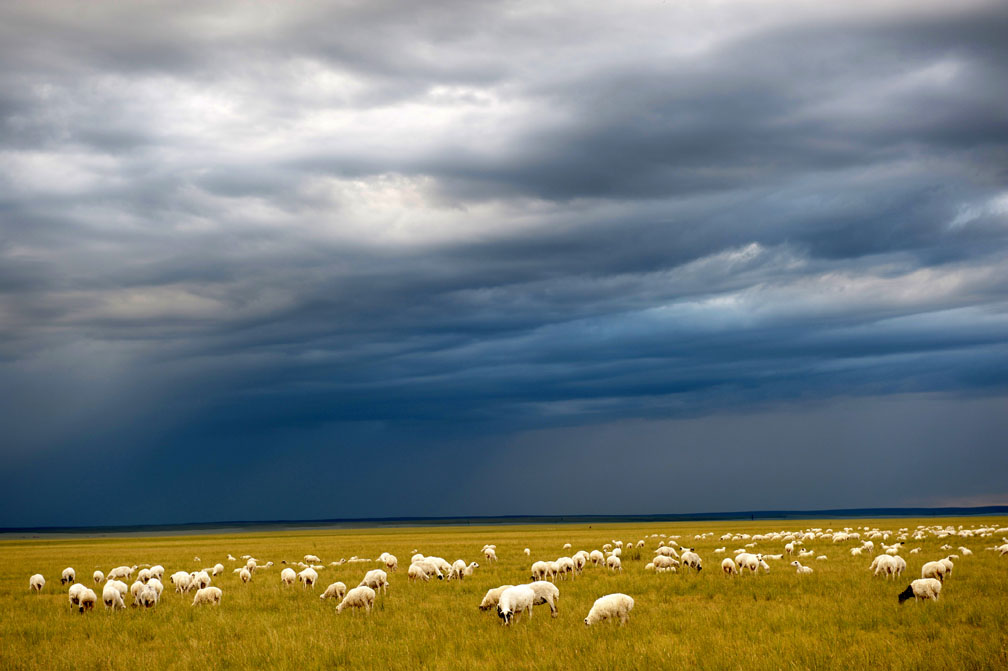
266,261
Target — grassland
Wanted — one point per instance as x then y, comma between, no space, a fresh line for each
838,618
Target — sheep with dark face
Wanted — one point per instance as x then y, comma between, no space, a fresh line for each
87,600
112,595
68,576
36,582
922,588
691,559
514,601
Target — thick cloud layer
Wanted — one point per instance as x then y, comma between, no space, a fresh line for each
238,240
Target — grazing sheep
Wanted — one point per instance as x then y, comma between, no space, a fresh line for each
98,577
608,607
596,557
514,601
148,596
337,590
613,563
922,588
74,593
663,564
729,567
546,592
181,580
416,572
36,582
884,564
245,575
376,579
428,567
691,559
361,596
312,559
540,570
112,596
492,597
528,553
208,595
934,569
747,560
87,599
69,575
217,570
157,586
947,563
121,572
287,576
565,567
144,575
490,554
308,577
391,563
802,570
580,560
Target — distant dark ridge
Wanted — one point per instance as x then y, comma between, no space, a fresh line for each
206,527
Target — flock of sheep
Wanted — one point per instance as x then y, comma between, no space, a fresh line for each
511,601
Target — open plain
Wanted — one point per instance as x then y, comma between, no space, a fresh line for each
838,617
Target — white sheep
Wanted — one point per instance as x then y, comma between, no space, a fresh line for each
337,590
376,579
217,570
546,592
98,577
157,571
308,577
565,567
68,575
245,575
208,595
361,596
922,588
490,554
74,593
528,553
148,596
884,564
802,570
691,559
514,601
492,597
933,569
181,580
36,582
608,607
121,572
540,570
428,567
663,564
747,560
144,575
596,557
157,586
613,563
417,572
87,599
729,567
287,576
391,563
112,596
312,559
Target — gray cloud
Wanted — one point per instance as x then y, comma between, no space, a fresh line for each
467,221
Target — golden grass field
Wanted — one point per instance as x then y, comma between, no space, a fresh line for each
838,618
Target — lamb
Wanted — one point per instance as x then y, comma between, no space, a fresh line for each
361,596
728,566
208,595
376,579
546,592
287,576
802,570
337,590
514,601
112,596
245,575
608,607
87,599
69,575
308,577
98,577
417,572
922,588
492,597
36,582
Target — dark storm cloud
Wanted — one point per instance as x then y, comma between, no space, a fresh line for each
243,234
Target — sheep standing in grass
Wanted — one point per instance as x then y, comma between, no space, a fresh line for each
308,577
98,577
181,580
245,575
728,566
157,571
490,554
492,597
610,607
514,601
36,582
922,588
208,595
288,576
74,593
376,580
87,599
337,590
546,592
217,570
614,563
361,596
68,576
416,572
691,559
933,569
391,563
528,553
148,597
596,557
112,597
